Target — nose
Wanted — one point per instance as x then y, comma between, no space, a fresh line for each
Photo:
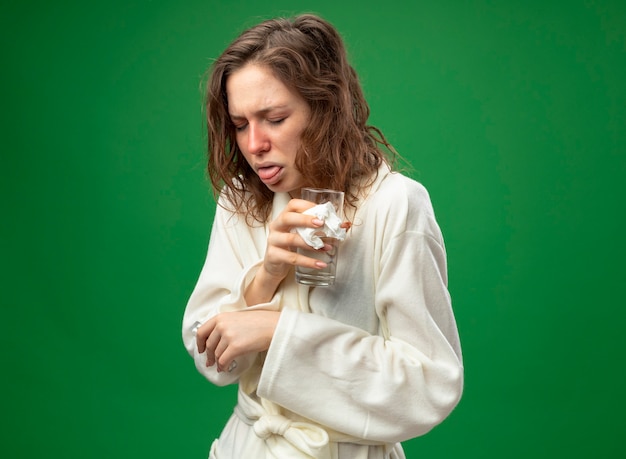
257,139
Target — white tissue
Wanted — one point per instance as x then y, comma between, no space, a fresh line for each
331,228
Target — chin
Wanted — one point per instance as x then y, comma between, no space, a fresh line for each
283,187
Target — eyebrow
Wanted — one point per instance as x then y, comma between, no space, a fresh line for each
262,112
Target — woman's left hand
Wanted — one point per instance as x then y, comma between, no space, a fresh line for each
232,334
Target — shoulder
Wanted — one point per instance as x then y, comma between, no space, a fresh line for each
227,213
401,204
398,191
403,184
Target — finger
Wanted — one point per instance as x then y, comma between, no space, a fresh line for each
287,241
226,361
293,216
298,205
202,333
221,347
287,221
282,250
301,259
212,343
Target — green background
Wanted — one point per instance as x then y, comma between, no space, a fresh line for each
513,114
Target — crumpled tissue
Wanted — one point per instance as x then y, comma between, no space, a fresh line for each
331,228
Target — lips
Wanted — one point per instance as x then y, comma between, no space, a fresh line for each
269,174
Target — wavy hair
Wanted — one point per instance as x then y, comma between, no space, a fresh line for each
338,149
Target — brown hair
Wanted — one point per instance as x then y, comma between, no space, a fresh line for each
339,150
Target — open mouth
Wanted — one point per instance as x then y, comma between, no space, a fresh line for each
269,174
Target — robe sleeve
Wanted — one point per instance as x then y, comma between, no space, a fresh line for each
384,388
231,263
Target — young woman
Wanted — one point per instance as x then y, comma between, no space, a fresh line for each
346,371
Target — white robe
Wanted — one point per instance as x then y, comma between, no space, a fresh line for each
355,368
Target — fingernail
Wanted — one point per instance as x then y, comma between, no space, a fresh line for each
318,222
320,264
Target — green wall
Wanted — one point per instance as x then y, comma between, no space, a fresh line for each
513,114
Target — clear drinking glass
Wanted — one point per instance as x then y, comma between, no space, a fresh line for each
324,276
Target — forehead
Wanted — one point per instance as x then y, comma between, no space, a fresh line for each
254,88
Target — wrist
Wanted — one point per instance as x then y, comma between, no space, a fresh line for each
263,287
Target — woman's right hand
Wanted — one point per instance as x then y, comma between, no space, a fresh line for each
280,254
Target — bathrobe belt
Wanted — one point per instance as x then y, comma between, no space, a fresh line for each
291,438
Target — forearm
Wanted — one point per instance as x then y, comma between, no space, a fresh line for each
373,381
